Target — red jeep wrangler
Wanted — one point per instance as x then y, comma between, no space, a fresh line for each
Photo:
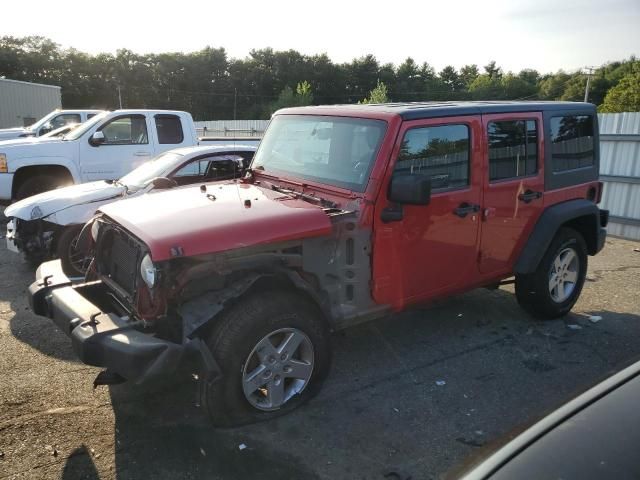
348,213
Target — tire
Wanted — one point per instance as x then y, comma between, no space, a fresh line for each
275,315
37,184
74,263
546,300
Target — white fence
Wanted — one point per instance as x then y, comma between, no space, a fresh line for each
232,128
620,172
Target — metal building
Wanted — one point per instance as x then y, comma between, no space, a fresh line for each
22,103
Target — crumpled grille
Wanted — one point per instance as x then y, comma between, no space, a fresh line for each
119,259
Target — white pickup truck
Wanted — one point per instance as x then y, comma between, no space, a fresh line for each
106,147
51,121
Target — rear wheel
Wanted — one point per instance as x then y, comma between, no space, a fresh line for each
273,350
74,261
553,289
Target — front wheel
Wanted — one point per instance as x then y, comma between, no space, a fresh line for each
74,261
553,289
273,350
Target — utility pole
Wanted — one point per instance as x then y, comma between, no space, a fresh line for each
586,88
235,101
120,97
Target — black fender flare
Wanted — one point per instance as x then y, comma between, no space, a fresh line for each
549,223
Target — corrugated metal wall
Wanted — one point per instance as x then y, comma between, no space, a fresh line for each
20,100
620,171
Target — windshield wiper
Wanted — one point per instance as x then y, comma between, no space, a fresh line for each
323,202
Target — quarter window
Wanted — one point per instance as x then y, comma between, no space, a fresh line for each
571,142
128,130
169,129
441,152
513,149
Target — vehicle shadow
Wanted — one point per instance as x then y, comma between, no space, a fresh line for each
387,415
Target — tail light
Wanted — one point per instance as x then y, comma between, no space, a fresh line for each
599,193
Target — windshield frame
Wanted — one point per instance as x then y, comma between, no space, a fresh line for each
331,183
36,125
78,132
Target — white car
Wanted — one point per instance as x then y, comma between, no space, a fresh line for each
47,225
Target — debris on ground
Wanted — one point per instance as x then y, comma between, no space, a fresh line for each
636,249
440,383
574,326
242,446
595,318
396,410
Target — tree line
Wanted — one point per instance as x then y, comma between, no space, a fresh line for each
211,85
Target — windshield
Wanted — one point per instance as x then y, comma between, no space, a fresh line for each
42,121
78,132
160,166
338,151
60,131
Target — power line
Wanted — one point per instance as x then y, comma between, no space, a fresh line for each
586,88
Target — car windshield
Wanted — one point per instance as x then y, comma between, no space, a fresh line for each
42,121
157,167
78,132
338,151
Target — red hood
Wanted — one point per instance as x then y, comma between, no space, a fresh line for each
187,218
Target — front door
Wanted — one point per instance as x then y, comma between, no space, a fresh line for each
513,187
433,248
126,145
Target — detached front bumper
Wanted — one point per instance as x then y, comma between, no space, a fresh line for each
100,338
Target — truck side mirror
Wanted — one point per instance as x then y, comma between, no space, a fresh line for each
413,189
46,128
97,138
162,183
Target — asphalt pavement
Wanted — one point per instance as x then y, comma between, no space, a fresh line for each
408,397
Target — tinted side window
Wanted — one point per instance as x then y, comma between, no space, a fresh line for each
513,149
441,152
65,119
129,130
169,129
571,142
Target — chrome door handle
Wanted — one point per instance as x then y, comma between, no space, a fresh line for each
142,154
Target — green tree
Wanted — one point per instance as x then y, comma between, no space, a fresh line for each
301,97
378,94
625,96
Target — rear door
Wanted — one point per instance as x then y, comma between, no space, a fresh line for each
513,187
433,249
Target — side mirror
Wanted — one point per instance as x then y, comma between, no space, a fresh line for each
410,189
97,138
46,128
162,183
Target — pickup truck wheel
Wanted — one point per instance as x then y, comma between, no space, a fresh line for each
553,289
273,350
74,262
36,184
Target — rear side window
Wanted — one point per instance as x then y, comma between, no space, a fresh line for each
513,149
441,152
169,129
571,142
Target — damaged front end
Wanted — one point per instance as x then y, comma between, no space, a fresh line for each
33,238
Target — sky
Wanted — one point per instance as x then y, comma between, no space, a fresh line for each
547,35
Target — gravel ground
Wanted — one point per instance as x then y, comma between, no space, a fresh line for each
409,396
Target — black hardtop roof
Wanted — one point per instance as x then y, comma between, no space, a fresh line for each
417,110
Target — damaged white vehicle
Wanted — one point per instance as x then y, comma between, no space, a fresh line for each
47,225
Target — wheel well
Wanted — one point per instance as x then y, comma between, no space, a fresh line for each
24,173
587,226
269,283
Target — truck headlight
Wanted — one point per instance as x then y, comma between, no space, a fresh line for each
148,271
3,163
95,228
